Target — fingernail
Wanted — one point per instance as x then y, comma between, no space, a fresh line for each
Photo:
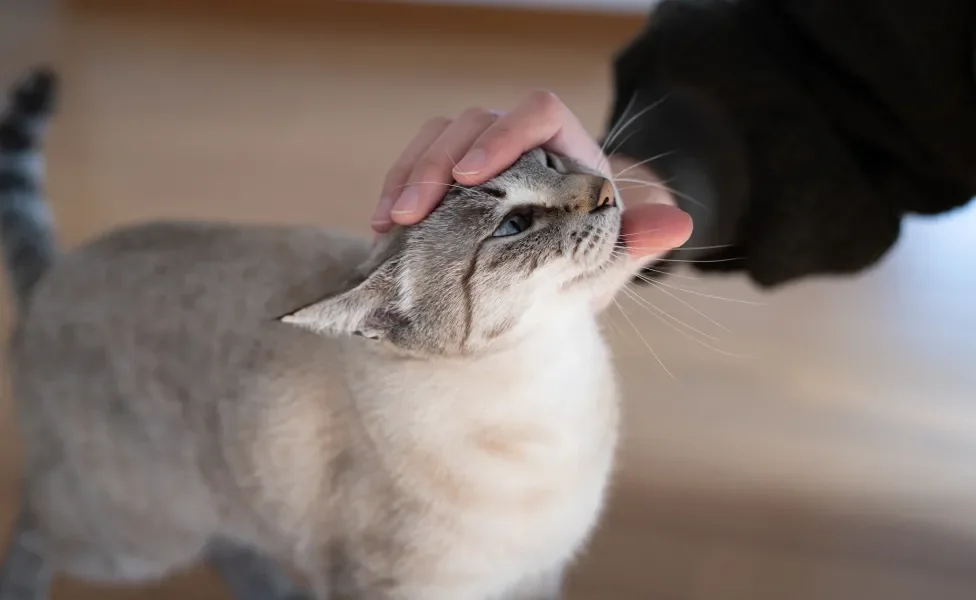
381,217
472,162
379,223
407,203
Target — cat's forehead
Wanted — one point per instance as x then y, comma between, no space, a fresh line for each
466,212
528,181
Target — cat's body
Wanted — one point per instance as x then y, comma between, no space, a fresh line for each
186,387
157,370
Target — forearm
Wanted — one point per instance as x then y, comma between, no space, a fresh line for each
788,164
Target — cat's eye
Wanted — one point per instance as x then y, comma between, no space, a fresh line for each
513,224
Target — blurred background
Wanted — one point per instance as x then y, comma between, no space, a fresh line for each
818,442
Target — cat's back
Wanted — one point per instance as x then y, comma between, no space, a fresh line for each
151,360
182,269
187,311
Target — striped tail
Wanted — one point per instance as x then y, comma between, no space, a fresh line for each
26,235
25,574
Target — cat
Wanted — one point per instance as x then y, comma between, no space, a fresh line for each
430,417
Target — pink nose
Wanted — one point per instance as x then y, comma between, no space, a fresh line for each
607,197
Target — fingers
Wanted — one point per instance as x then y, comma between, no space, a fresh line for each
485,143
428,176
398,174
651,229
433,172
540,120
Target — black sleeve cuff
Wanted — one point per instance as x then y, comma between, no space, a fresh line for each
760,164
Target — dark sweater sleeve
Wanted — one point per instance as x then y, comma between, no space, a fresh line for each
798,133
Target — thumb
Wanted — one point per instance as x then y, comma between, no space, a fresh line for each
651,229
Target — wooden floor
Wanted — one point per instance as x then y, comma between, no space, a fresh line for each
835,460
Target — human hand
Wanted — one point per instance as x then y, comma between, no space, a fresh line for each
485,143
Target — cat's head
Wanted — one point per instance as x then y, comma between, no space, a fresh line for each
539,242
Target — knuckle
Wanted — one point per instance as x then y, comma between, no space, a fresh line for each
429,166
395,175
497,135
438,123
479,115
547,102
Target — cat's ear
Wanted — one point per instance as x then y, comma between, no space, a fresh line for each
367,310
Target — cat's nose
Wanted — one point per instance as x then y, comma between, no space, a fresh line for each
607,196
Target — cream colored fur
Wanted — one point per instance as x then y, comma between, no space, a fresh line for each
432,419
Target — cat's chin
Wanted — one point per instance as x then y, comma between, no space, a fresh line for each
601,283
619,271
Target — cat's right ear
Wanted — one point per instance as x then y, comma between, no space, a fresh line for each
367,310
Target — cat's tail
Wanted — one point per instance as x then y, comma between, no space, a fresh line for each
26,234
25,574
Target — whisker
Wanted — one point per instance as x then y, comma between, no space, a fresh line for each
637,331
622,141
645,302
609,317
645,182
632,180
697,293
637,116
643,231
618,126
663,314
669,274
623,251
690,306
679,260
718,247
617,253
670,190
644,162
454,162
613,325
640,182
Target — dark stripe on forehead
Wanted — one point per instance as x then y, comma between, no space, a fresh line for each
467,296
497,193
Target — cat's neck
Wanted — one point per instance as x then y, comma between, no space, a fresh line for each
535,370
542,410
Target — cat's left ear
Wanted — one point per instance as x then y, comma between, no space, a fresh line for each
367,310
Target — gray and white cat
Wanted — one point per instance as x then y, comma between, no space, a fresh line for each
432,418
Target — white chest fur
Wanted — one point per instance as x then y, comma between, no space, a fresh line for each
510,454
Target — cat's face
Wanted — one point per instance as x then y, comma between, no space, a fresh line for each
540,241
